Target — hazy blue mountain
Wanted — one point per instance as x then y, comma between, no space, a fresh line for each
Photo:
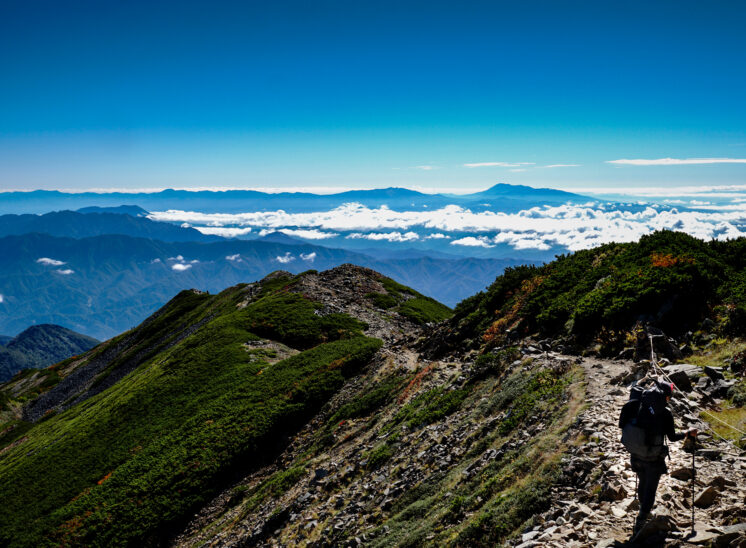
134,210
512,198
5,339
104,285
279,238
74,224
40,346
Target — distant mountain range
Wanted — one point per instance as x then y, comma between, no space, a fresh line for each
511,198
103,268
40,346
99,221
106,284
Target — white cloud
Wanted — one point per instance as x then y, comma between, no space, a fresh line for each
499,164
677,161
224,232
389,236
471,241
154,261
177,258
2,298
426,168
49,262
179,267
236,257
517,170
186,225
436,236
560,165
309,234
194,261
65,272
285,259
308,256
574,227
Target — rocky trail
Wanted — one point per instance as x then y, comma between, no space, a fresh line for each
596,505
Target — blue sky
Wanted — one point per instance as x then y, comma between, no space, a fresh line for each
370,94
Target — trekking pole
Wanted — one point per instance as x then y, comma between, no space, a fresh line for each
694,450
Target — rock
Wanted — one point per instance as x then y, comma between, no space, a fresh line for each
719,483
706,498
608,543
618,513
683,374
703,536
714,373
633,505
683,474
708,324
626,354
720,388
710,454
656,527
612,492
704,383
738,528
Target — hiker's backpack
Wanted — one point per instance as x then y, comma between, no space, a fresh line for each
641,422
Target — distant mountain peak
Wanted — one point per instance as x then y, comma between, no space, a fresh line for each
506,189
280,238
39,346
133,210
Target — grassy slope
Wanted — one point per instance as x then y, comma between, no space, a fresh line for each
120,466
503,400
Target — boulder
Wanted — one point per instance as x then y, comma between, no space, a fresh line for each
682,474
720,388
703,536
704,383
706,498
612,492
710,454
656,527
732,535
714,373
683,374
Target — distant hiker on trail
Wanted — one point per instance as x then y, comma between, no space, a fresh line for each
645,421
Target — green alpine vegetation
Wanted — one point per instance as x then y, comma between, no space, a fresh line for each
668,278
125,464
409,303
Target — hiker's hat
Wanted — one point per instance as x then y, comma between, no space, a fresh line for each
666,388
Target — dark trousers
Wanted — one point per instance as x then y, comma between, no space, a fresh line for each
649,474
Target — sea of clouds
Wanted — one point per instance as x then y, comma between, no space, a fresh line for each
572,227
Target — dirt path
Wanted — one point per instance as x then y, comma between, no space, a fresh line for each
596,506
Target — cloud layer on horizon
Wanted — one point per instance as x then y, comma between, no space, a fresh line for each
572,227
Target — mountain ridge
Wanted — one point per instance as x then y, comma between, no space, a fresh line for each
41,201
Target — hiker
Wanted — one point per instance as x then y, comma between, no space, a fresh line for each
645,421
